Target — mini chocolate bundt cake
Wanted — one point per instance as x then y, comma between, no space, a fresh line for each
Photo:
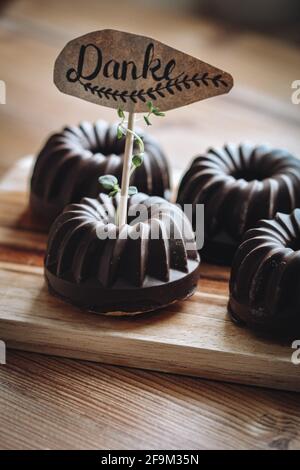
264,283
238,185
70,163
146,264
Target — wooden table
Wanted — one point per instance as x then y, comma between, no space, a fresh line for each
52,403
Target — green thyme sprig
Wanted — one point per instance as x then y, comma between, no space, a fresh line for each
109,182
122,130
152,110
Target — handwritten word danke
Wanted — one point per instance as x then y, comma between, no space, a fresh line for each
123,70
91,63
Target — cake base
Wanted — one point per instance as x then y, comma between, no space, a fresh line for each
123,299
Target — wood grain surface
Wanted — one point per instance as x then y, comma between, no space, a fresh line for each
46,402
51,403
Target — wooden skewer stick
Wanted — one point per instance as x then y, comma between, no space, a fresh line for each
126,171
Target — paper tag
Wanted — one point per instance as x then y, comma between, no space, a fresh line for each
124,70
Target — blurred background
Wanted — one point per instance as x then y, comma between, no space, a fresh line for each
257,41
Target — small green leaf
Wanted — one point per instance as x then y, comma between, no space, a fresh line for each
137,160
158,113
132,190
147,121
119,133
108,182
121,113
150,106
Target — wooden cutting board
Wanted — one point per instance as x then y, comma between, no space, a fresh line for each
195,337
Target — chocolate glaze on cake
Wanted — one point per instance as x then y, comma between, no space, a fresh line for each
122,274
264,283
70,163
238,185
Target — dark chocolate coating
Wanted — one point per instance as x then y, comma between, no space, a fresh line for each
264,283
122,275
70,163
239,185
